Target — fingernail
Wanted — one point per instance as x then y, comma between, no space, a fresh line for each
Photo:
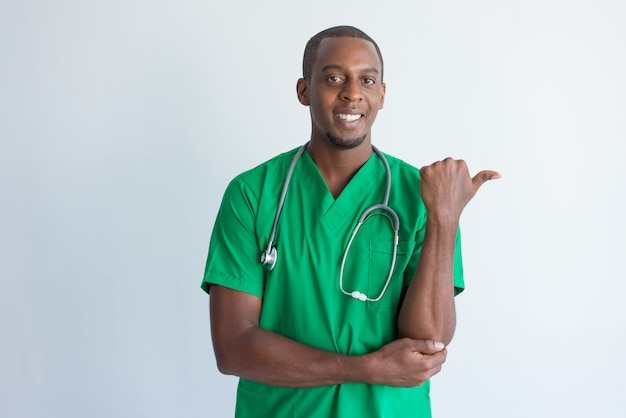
439,346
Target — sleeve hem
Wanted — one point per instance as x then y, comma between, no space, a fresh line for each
230,282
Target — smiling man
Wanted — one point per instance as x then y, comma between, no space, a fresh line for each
333,267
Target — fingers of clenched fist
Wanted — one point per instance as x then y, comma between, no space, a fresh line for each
407,363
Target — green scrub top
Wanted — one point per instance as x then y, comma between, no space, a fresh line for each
301,295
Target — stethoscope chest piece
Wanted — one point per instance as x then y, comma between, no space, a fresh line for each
268,258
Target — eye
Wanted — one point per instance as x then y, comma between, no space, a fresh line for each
333,79
369,81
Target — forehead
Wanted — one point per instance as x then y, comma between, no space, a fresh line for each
347,53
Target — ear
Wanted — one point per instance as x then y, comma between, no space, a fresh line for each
383,90
302,88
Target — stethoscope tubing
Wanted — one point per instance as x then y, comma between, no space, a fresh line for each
268,257
283,193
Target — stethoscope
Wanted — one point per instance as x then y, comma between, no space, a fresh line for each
268,256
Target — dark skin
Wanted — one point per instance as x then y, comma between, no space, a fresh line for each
344,95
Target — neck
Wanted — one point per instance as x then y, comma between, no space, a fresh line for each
338,166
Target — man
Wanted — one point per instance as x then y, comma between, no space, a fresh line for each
342,325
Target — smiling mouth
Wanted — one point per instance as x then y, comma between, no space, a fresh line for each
347,117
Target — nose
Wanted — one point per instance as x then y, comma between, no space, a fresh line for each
351,91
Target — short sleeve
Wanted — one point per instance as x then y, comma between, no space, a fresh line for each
231,261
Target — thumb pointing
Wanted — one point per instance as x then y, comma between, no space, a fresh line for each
482,177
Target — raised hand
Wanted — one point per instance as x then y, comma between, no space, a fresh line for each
446,187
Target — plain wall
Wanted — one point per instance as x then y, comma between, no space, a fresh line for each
121,122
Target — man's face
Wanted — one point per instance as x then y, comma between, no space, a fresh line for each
345,91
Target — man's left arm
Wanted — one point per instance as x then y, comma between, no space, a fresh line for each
428,310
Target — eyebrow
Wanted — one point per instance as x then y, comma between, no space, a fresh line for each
339,67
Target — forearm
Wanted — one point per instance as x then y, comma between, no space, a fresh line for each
428,310
244,349
266,357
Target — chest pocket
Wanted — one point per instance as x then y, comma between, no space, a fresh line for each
380,261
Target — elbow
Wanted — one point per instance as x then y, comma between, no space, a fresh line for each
226,362
233,355
427,326
437,334
226,366
226,370
223,366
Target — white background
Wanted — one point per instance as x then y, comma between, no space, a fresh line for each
121,123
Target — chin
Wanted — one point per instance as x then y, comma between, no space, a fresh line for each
345,143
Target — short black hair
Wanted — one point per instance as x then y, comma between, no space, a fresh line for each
310,51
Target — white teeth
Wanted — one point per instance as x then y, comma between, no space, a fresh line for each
349,118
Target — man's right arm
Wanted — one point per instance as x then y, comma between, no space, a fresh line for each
244,349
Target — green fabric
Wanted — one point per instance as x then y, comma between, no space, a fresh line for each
301,296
